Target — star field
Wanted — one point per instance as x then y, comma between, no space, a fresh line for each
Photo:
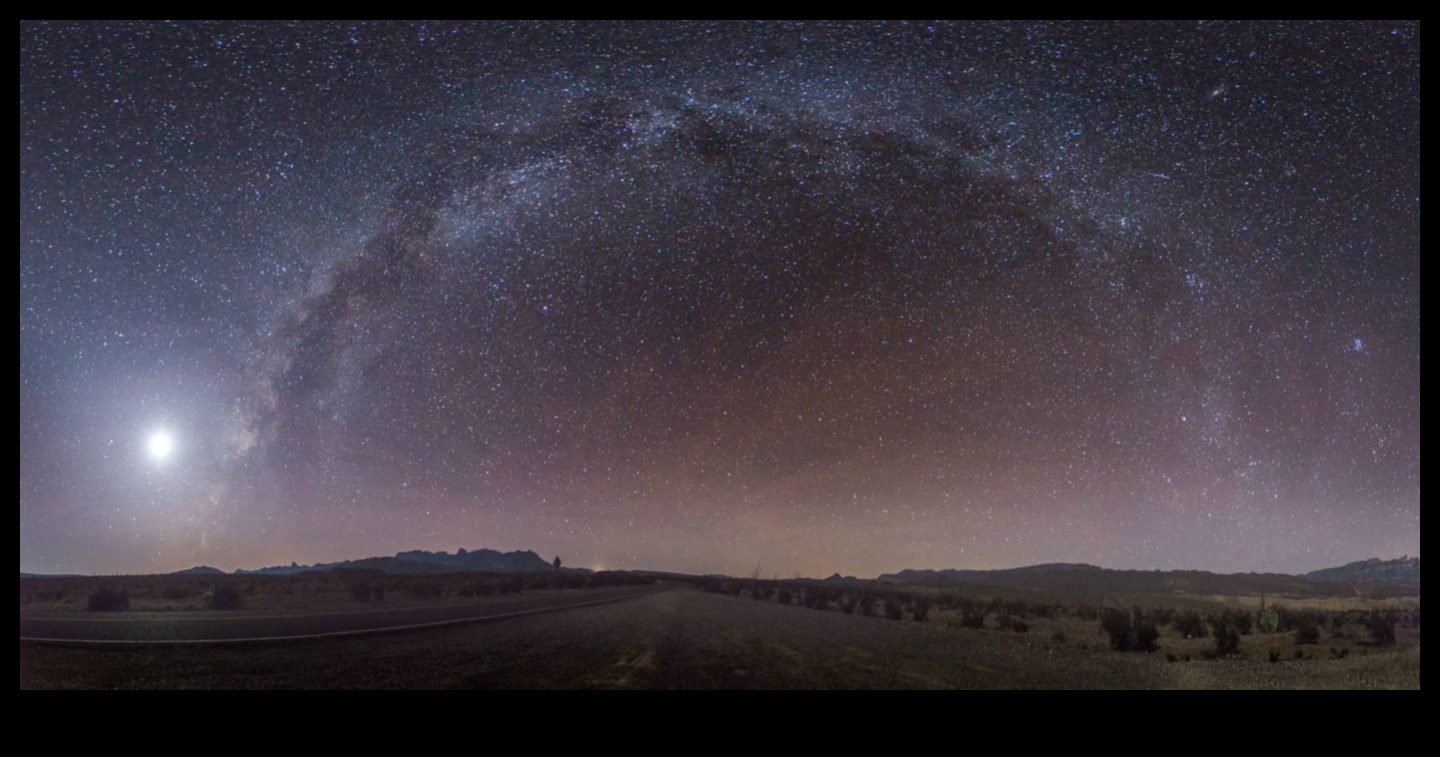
707,297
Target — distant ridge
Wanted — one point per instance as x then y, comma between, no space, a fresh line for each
419,561
1404,571
1392,576
200,570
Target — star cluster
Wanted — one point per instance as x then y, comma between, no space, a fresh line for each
796,298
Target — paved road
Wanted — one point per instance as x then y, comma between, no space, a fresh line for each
233,627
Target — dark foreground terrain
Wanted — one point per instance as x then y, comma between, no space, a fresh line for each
687,638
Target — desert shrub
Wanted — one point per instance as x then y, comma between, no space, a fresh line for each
424,589
1341,653
1189,624
921,611
1267,620
1299,654
783,596
175,591
867,606
1058,637
1130,631
1242,620
972,617
226,598
1020,626
1227,639
469,589
1116,624
1307,633
893,610
1382,629
1274,655
1146,634
1298,620
107,598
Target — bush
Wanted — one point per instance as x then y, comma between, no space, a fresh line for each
108,598
1146,634
226,598
1382,629
1116,624
1130,631
783,597
893,610
1307,633
921,610
1267,620
973,617
1227,640
175,591
1243,620
1189,625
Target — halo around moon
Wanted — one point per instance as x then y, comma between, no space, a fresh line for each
160,445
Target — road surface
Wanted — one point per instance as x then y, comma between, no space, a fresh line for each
214,627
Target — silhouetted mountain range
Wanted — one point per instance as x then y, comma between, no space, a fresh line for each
1072,577
1404,571
420,561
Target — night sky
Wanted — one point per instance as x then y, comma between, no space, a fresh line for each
786,298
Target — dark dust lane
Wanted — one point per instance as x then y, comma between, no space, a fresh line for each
216,627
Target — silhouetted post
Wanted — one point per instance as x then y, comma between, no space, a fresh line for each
557,564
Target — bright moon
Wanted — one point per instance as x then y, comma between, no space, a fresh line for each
161,445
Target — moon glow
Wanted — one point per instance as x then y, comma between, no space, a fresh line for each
160,446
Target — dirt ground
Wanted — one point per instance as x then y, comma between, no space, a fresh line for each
690,639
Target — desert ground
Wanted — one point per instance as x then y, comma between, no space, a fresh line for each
690,638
